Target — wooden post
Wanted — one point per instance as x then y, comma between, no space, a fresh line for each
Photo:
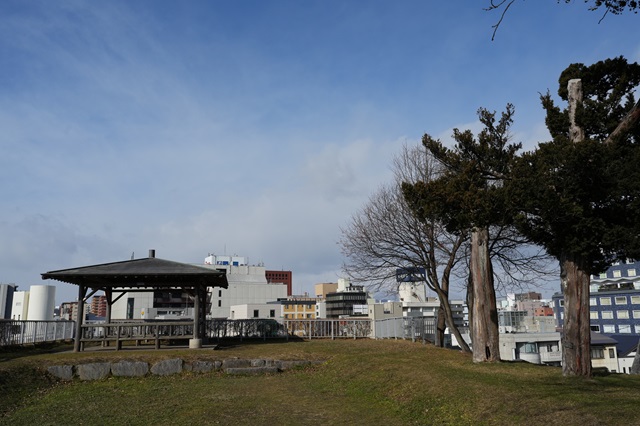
82,291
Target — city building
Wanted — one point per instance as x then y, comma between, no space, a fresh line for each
322,289
6,300
282,277
69,311
99,306
37,304
536,348
299,307
255,311
349,300
20,307
614,301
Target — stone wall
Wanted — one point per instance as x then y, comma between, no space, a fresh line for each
124,368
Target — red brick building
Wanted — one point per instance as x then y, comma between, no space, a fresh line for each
283,277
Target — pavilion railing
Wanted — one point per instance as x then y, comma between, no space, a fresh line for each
139,331
30,332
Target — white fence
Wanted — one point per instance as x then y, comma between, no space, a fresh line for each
423,329
29,332
418,328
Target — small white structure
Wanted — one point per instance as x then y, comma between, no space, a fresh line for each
255,311
536,348
20,307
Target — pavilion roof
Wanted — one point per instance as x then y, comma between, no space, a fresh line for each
145,273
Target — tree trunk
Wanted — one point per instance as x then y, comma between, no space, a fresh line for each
448,315
485,338
576,334
441,325
635,367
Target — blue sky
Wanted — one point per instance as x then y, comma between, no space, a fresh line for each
254,128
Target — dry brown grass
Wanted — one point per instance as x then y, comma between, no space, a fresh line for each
361,382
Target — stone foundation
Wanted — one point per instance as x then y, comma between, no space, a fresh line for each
123,368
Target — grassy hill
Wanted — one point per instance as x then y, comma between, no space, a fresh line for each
363,382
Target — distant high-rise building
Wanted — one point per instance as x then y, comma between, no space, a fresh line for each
6,300
99,306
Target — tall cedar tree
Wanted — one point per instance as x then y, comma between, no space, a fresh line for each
580,199
469,198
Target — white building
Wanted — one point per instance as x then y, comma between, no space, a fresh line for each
247,285
255,311
20,307
42,302
37,304
536,348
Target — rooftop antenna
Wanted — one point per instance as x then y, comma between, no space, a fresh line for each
132,253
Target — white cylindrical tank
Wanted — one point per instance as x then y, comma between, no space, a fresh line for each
42,301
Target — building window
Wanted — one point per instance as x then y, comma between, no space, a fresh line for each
617,273
562,302
612,353
635,300
607,314
608,328
605,300
530,348
631,273
593,315
636,314
624,329
219,303
595,328
219,293
621,300
256,313
622,314
603,275
593,301
272,313
597,353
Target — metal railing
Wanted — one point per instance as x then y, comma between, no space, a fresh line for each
329,328
245,329
30,332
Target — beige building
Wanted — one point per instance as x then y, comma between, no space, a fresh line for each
322,289
299,307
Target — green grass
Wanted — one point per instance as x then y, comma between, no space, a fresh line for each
362,382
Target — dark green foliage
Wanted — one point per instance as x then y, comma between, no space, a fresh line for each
608,96
582,199
469,193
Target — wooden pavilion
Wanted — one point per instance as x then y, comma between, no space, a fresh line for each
142,275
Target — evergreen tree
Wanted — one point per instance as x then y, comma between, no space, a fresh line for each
579,195
469,198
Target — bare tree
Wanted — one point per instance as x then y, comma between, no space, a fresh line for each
385,235
616,7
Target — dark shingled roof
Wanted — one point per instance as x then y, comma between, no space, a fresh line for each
141,273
